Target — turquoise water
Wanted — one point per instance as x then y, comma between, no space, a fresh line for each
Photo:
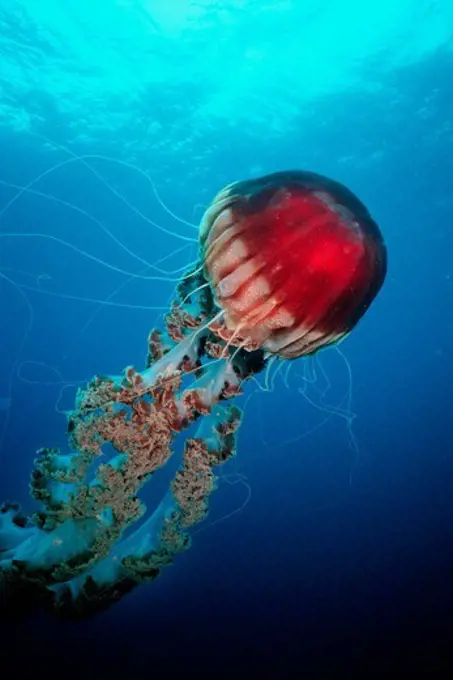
328,544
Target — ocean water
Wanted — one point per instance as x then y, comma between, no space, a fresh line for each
328,547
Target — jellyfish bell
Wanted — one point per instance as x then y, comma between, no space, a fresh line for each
293,259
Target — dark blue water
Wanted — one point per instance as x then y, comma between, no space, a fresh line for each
337,556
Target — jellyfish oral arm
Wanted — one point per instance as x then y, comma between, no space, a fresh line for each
141,556
72,548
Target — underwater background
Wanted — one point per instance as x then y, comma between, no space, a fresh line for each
328,548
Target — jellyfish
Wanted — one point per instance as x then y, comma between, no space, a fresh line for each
288,264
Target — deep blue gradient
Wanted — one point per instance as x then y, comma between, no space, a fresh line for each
342,558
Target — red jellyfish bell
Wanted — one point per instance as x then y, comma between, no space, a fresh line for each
294,260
